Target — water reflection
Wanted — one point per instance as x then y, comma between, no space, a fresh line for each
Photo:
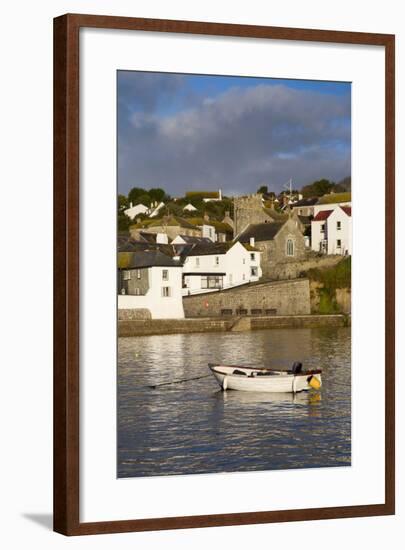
194,427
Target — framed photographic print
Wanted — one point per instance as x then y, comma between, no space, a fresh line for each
224,298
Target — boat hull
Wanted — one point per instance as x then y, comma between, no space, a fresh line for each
279,382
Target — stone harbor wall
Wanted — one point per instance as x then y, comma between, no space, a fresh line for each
271,298
293,269
133,314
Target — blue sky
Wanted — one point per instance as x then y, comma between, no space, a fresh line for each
191,132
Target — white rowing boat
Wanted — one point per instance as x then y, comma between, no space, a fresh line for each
235,377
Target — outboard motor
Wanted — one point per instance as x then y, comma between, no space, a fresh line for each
297,367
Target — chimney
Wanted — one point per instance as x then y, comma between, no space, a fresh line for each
252,241
220,194
130,204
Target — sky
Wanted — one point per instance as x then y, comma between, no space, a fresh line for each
203,132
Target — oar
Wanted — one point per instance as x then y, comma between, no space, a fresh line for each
177,381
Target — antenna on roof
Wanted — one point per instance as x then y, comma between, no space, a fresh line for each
288,187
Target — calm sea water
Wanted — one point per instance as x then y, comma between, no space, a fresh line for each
194,427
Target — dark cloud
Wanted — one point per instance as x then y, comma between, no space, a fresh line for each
236,141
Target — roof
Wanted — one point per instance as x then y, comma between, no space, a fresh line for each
305,220
274,215
305,202
194,240
250,248
220,227
146,258
203,249
333,198
347,210
322,215
260,232
171,221
148,237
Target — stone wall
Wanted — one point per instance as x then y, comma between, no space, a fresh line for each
171,326
136,327
294,269
248,210
133,314
271,298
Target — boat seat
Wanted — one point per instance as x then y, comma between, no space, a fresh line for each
237,371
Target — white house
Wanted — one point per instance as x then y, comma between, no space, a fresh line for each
222,265
190,208
134,211
332,202
151,280
155,209
214,199
331,231
208,231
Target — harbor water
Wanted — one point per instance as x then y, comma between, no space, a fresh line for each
193,427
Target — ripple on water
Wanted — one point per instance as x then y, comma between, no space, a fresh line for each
196,428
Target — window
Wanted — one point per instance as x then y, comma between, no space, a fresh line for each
210,232
137,292
252,256
165,274
211,281
216,260
338,226
253,272
323,228
197,262
166,291
138,273
338,243
290,247
230,278
126,275
244,261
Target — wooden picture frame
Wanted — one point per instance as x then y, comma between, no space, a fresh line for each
67,283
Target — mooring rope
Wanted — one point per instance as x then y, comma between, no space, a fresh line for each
178,381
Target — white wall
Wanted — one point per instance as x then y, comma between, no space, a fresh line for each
344,233
332,234
26,355
208,231
316,234
236,264
133,211
161,307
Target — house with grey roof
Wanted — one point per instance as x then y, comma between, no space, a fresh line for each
278,242
150,280
214,266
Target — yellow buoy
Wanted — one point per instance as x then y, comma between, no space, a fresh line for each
314,382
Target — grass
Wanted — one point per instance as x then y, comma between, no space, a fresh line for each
335,197
332,278
338,276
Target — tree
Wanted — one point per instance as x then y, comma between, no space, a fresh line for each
144,199
135,193
263,190
318,188
122,203
123,222
157,194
